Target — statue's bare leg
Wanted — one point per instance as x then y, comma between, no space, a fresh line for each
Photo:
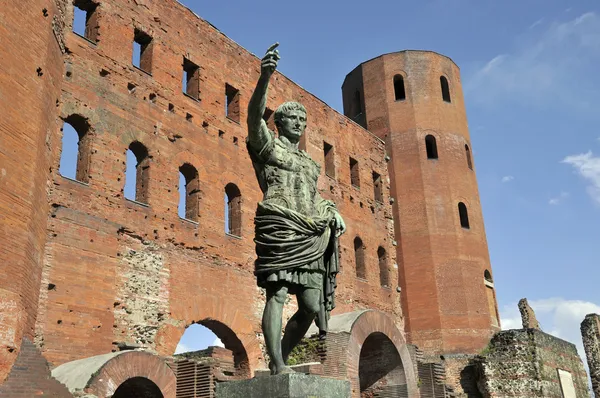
271,326
309,303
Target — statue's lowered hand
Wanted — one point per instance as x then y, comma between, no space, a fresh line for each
269,61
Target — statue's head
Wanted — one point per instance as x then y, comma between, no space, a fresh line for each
290,119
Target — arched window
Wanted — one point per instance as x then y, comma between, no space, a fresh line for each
445,89
431,147
137,175
189,192
359,258
356,104
468,154
384,273
491,297
76,148
233,210
399,91
488,277
464,215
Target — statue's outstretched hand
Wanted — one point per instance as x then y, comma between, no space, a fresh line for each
269,61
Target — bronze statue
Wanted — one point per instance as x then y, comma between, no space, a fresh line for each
296,230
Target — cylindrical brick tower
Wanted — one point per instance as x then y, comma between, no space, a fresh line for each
414,101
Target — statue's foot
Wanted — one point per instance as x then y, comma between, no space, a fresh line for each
278,370
284,370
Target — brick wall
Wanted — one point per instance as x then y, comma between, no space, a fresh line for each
30,83
30,376
123,273
590,333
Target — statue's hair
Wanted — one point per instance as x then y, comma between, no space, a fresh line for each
288,107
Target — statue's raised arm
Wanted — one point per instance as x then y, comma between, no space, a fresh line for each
258,133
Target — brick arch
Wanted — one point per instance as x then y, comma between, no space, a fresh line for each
227,323
128,365
360,325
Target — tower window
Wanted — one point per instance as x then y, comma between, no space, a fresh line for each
464,215
431,147
232,103
269,118
137,175
233,210
399,91
191,79
354,173
468,154
377,187
85,19
491,297
189,192
359,258
76,149
445,89
356,104
488,277
142,51
329,159
384,273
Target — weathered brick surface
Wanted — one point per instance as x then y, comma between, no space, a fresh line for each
590,333
528,317
441,265
119,273
31,65
30,376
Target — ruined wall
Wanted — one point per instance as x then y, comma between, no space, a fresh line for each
590,333
30,82
527,363
119,273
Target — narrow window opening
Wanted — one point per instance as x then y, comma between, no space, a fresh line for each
468,154
464,216
431,147
142,51
232,103
359,258
354,173
329,159
76,149
399,90
445,89
269,118
189,192
487,276
377,187
137,176
233,210
356,104
85,19
384,273
191,79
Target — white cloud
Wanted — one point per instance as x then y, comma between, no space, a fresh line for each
536,23
533,72
218,342
557,316
507,178
558,199
181,348
588,166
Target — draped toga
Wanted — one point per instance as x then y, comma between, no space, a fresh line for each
295,237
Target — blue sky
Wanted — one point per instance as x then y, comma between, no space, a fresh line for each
529,73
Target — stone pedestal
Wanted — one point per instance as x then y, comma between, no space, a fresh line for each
294,385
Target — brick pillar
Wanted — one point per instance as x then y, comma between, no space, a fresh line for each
590,332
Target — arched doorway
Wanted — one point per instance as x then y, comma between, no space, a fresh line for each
380,368
138,387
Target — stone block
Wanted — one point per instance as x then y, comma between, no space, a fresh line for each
294,385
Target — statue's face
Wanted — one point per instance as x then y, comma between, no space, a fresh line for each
292,125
